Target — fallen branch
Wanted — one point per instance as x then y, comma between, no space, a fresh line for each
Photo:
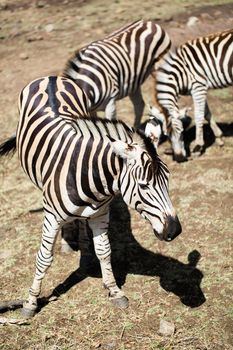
4,320
36,210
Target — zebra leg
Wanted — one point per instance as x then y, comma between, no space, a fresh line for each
99,228
110,110
43,262
199,112
216,130
139,104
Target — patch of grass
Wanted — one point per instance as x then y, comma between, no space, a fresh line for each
82,318
230,311
222,94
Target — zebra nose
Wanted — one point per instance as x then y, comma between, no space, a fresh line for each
180,158
172,228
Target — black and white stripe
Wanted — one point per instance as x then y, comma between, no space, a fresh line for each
193,68
80,165
115,67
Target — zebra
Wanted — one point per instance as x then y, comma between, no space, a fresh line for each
115,67
191,69
80,164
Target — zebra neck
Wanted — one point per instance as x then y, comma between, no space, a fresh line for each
173,79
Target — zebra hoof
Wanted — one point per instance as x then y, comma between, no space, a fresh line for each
197,151
121,303
28,313
219,141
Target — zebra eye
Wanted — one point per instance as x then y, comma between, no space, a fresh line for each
143,185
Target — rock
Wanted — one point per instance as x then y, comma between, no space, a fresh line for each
80,18
23,56
119,11
206,16
169,19
3,6
192,21
166,328
35,38
111,345
40,4
218,13
49,28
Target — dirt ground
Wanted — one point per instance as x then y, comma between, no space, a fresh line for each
187,282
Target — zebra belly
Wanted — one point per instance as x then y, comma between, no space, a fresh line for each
70,207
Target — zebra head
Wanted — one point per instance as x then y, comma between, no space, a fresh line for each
143,183
172,126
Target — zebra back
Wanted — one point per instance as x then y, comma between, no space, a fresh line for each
206,61
117,65
63,97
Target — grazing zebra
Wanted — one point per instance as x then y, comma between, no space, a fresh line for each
193,68
80,165
115,67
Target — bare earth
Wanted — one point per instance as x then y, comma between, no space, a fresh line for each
187,282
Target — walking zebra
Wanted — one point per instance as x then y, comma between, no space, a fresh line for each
193,68
115,67
80,165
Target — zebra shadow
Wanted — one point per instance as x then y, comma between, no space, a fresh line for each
129,257
209,138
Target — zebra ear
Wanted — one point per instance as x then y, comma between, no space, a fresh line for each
158,117
124,150
153,131
154,112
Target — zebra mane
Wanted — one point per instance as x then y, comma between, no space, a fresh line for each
76,59
207,37
72,63
116,124
148,145
176,51
119,130
122,30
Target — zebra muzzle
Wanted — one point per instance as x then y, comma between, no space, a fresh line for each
179,158
172,228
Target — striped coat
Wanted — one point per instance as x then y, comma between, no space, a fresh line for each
80,165
192,69
115,67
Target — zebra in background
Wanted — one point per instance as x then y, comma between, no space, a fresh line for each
80,165
191,69
115,67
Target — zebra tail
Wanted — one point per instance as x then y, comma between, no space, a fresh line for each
8,147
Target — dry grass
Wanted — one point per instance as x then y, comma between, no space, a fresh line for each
187,282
